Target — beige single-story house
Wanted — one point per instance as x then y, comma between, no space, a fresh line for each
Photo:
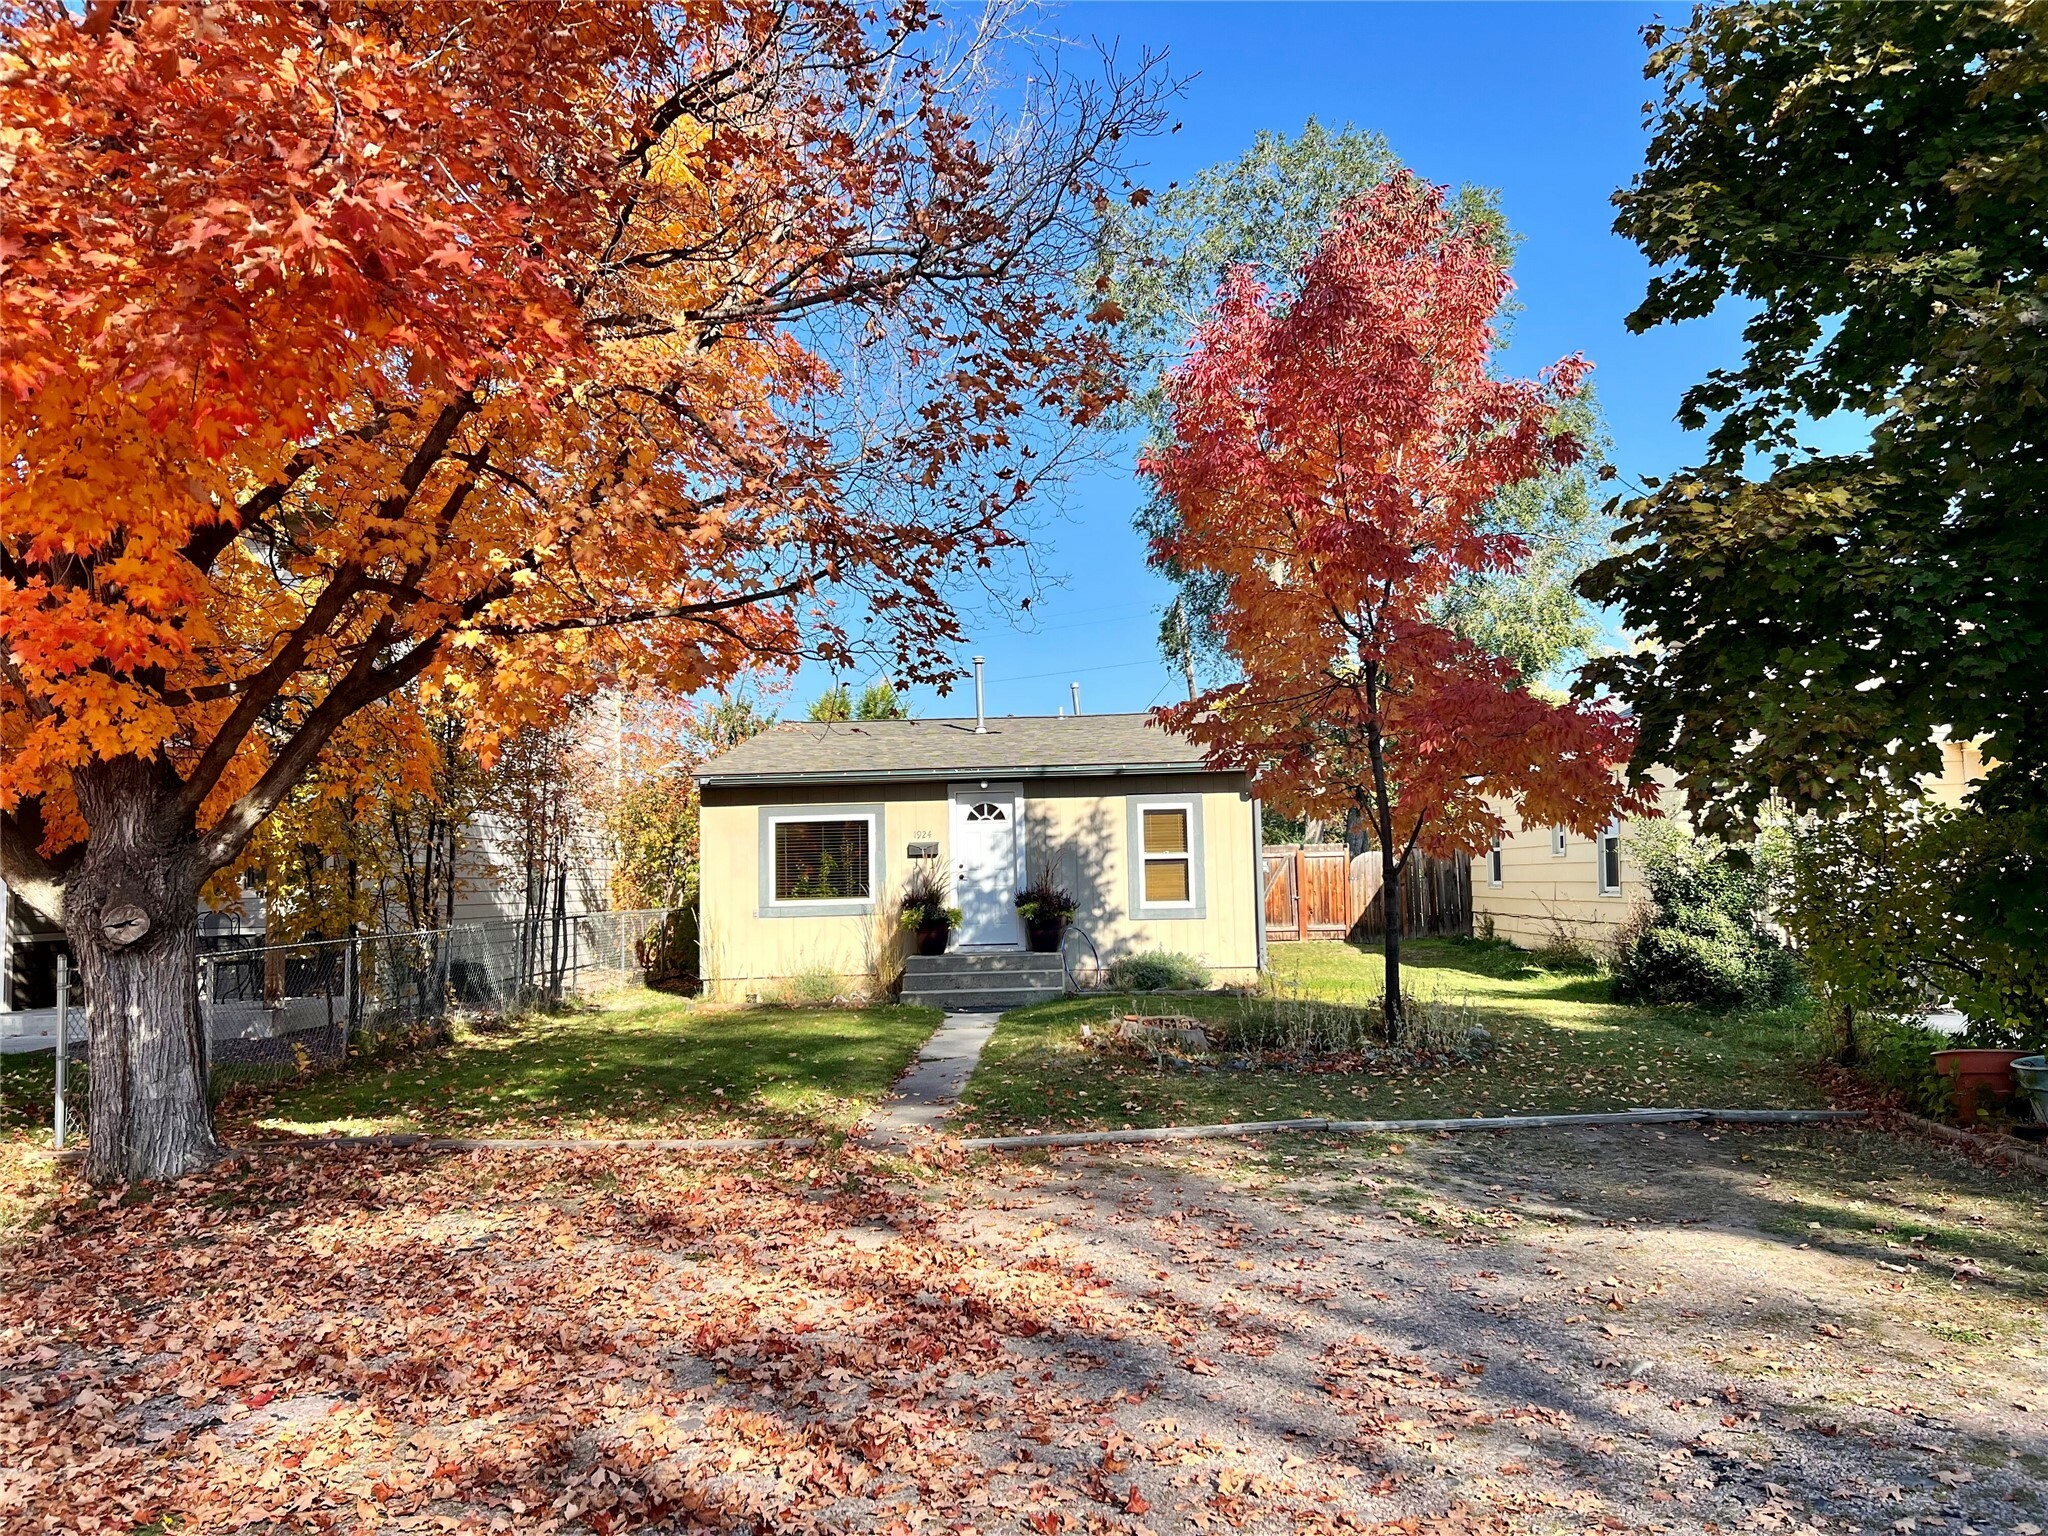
1540,886
810,830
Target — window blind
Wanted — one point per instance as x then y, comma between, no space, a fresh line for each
821,861
1167,874
1166,831
1166,879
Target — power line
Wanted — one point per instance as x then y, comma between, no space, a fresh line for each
1032,677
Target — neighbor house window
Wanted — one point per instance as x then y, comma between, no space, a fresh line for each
1557,842
824,860
1610,860
1169,856
1493,869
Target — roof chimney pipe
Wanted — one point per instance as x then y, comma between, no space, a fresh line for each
1077,696
980,719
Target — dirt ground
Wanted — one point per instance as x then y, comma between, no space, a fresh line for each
1631,1330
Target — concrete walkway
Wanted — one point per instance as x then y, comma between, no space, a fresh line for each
925,1095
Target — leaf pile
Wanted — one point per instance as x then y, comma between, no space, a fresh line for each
603,1342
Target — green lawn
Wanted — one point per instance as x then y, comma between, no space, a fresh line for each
1561,1045
27,1084
648,1064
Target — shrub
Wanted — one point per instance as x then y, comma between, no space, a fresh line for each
1157,971
1701,939
1900,1056
815,986
1883,901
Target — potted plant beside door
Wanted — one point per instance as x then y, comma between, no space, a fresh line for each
1046,907
927,917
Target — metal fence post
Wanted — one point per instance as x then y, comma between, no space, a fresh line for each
63,1040
206,1023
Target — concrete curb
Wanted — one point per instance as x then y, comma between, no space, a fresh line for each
1371,1127
1970,1142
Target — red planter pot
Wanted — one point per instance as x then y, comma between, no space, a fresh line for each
1976,1073
930,938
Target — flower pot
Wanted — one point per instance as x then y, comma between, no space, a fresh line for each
1976,1073
2031,1073
1042,935
931,937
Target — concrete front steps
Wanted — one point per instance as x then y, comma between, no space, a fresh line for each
989,981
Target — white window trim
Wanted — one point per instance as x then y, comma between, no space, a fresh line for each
1613,831
1496,866
819,906
1557,842
1191,806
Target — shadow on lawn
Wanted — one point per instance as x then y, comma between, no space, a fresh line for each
653,1069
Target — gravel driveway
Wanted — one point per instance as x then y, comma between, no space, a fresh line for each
1561,1331
1654,1329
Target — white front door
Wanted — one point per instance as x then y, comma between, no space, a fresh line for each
985,879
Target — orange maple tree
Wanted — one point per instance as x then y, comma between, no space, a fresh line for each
1334,454
367,357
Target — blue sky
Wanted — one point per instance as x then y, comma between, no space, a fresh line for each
1542,101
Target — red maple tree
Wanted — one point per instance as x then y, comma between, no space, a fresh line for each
1333,457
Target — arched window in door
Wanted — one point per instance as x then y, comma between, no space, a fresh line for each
987,810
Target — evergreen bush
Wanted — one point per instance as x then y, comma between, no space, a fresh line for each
1702,938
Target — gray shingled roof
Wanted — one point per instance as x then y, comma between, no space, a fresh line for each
1021,746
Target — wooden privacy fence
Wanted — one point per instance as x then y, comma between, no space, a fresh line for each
1326,892
1308,892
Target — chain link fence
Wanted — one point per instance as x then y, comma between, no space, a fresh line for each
288,1010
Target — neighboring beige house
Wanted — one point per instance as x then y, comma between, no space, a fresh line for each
1542,885
810,830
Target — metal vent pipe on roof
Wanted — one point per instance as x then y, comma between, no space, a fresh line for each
980,719
1077,696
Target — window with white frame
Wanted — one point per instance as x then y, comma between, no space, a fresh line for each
1494,873
1557,842
1167,847
1610,859
823,859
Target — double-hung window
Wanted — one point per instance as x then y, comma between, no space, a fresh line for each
1166,839
1493,864
1609,850
819,860
1169,855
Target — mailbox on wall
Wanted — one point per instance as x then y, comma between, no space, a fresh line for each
921,851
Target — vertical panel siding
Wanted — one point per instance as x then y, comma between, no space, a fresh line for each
1079,825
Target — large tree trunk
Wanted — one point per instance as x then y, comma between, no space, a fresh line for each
150,1118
